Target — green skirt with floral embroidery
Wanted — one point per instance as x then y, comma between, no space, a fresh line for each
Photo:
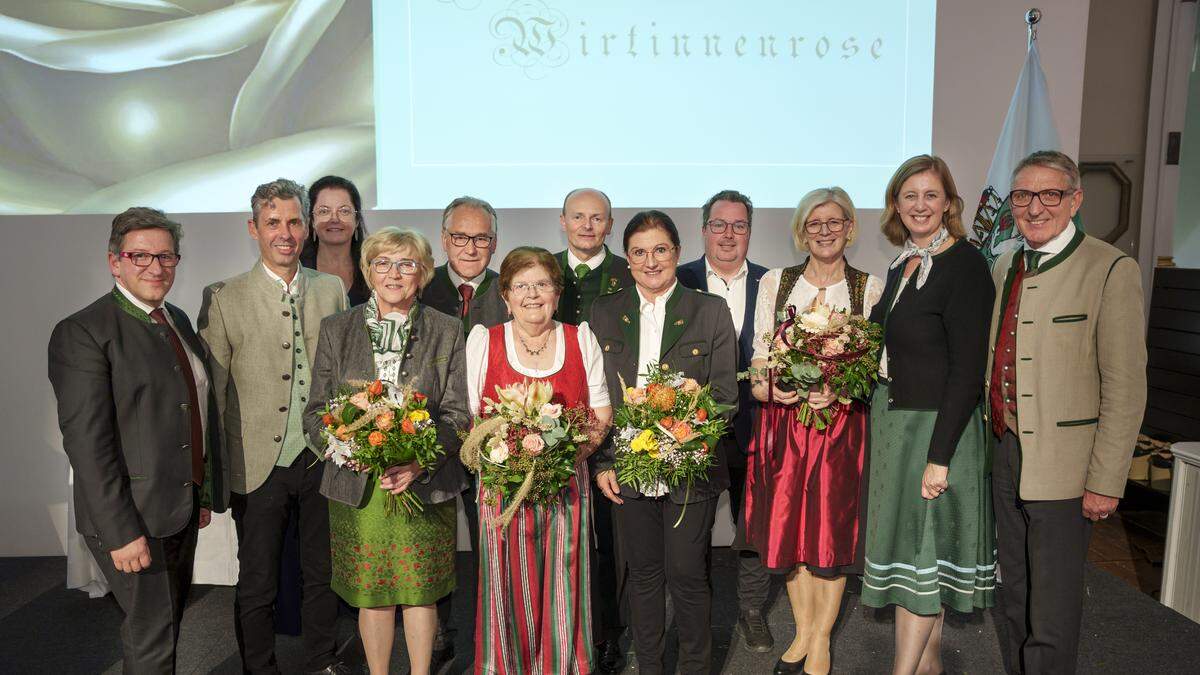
381,560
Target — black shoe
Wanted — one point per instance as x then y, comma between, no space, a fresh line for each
756,635
787,667
337,668
610,659
442,657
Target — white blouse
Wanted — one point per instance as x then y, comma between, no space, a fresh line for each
478,345
802,296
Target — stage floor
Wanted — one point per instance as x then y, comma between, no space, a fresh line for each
46,628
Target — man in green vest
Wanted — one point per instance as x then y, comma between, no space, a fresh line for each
589,268
589,271
260,328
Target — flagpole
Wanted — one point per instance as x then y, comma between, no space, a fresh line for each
1033,16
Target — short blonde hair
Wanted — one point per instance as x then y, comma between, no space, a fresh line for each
891,225
817,198
397,239
522,258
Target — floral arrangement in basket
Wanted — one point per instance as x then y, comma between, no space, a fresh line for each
524,448
371,426
665,432
823,346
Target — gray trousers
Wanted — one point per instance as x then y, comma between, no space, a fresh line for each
152,599
1042,548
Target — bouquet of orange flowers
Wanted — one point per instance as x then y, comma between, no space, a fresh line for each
827,347
524,448
665,432
371,426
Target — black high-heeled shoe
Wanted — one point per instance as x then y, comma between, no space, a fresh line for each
787,667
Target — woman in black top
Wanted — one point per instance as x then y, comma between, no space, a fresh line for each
336,235
930,540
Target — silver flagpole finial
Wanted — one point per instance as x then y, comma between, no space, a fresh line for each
1032,17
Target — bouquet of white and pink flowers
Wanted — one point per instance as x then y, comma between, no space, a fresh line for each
525,446
823,346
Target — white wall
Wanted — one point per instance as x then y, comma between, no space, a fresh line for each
51,266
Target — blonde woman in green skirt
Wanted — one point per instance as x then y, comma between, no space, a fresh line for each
381,561
930,539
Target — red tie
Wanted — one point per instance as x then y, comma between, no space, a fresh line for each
466,290
185,366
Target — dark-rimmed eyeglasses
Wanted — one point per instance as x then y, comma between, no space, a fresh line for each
719,226
324,212
1052,197
834,225
661,253
480,240
405,265
143,259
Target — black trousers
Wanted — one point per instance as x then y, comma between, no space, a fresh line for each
261,518
153,599
1042,547
753,581
662,557
610,603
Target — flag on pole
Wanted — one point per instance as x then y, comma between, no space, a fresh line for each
1028,127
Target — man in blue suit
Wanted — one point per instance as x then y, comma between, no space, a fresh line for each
724,271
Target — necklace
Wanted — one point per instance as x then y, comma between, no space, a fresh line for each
528,349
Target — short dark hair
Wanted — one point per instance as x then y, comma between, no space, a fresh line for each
141,218
726,196
280,188
337,183
643,221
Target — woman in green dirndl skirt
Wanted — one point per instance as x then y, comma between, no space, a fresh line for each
930,540
382,561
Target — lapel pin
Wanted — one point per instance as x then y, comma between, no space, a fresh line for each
678,322
625,318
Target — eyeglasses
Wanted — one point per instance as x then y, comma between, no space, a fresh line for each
324,212
141,259
719,226
661,253
480,240
1046,197
835,225
405,265
538,287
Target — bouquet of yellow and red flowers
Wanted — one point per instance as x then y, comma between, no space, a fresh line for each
666,432
524,448
825,347
371,426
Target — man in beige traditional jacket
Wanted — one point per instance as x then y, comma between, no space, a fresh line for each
260,328
1066,390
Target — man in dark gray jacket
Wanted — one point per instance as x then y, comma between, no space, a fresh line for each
138,423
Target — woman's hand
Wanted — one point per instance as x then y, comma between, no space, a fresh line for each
397,479
759,390
607,481
818,400
935,481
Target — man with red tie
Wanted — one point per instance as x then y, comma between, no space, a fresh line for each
138,421
464,287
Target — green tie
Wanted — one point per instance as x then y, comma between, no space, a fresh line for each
581,271
1031,261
